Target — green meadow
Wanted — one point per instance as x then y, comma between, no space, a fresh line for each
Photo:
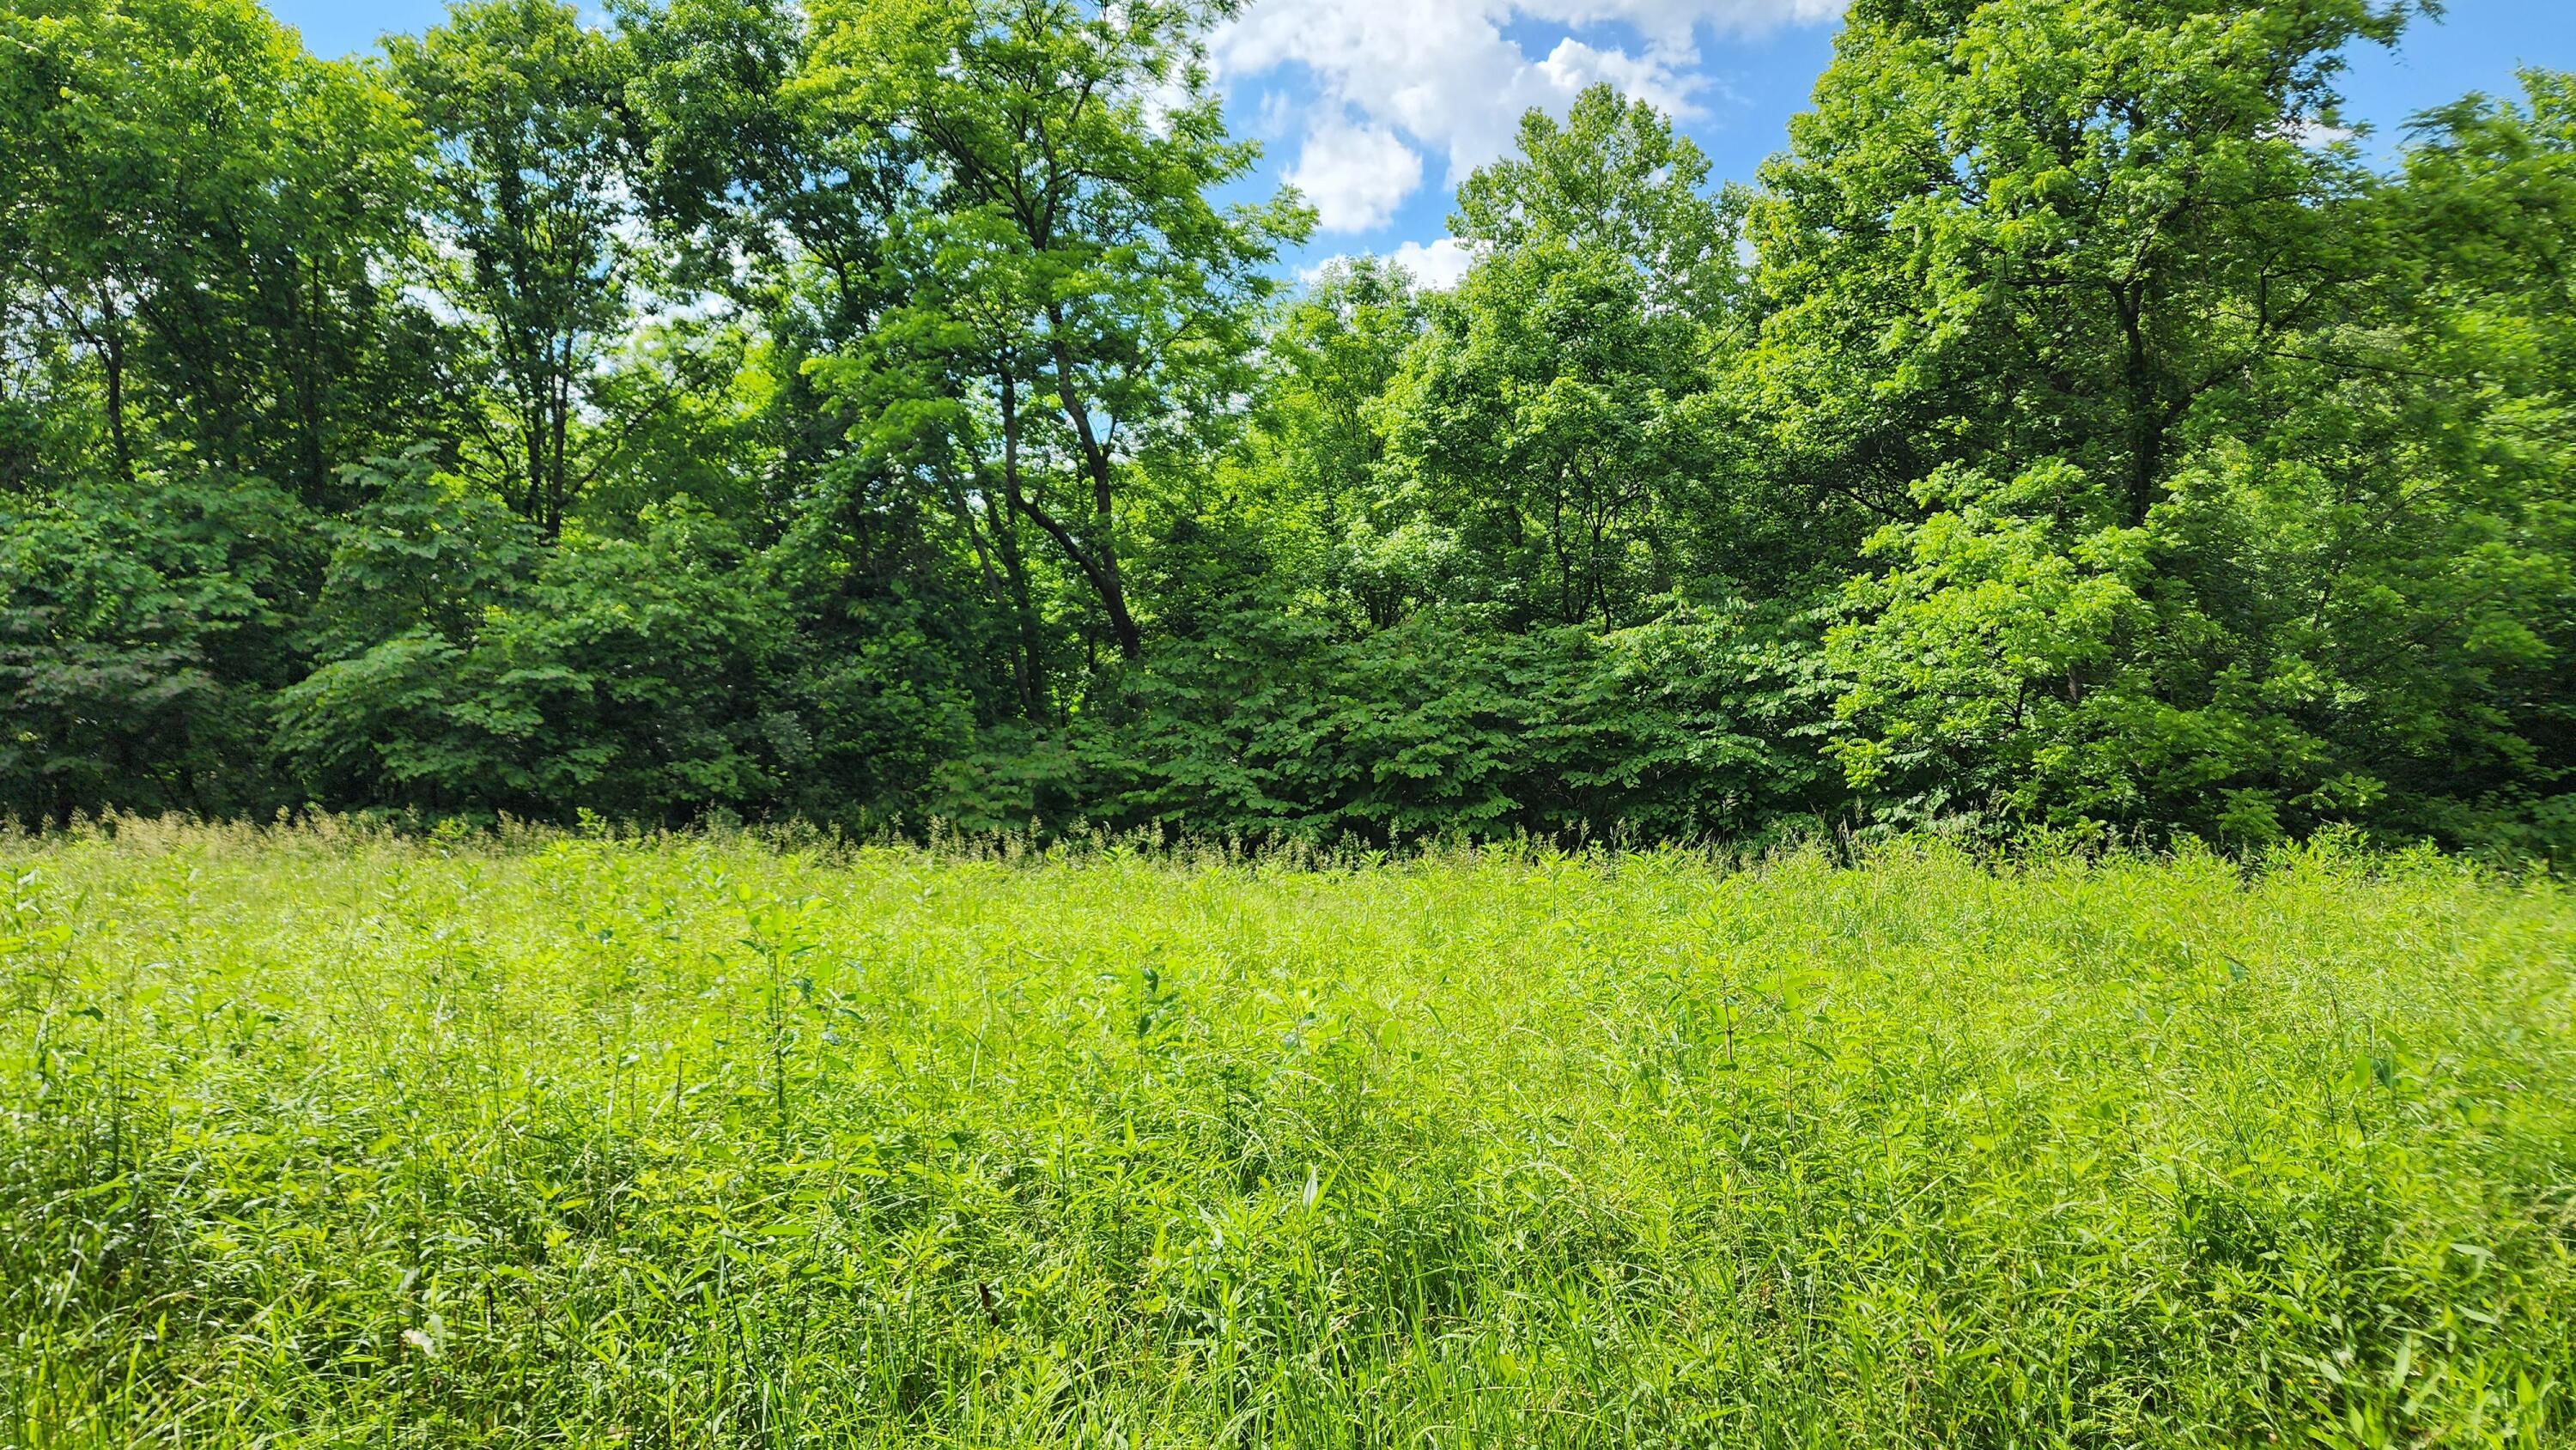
323,1136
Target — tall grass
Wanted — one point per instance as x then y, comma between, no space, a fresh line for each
318,1137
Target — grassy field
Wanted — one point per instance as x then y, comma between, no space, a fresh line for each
318,1137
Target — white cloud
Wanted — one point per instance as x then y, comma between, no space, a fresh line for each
1440,266
1444,75
1573,65
1355,175
1437,267
1430,68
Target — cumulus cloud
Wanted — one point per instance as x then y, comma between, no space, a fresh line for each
1444,76
1572,66
1438,267
1356,175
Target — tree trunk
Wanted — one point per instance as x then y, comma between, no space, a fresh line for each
110,342
1095,460
2147,414
1006,538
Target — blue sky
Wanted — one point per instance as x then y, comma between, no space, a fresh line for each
1376,107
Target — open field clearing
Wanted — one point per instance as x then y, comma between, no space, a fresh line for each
316,1137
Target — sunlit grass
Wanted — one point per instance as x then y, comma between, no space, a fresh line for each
321,1137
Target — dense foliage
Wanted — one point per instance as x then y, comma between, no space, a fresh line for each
326,1136
871,411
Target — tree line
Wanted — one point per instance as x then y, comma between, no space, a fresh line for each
884,412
